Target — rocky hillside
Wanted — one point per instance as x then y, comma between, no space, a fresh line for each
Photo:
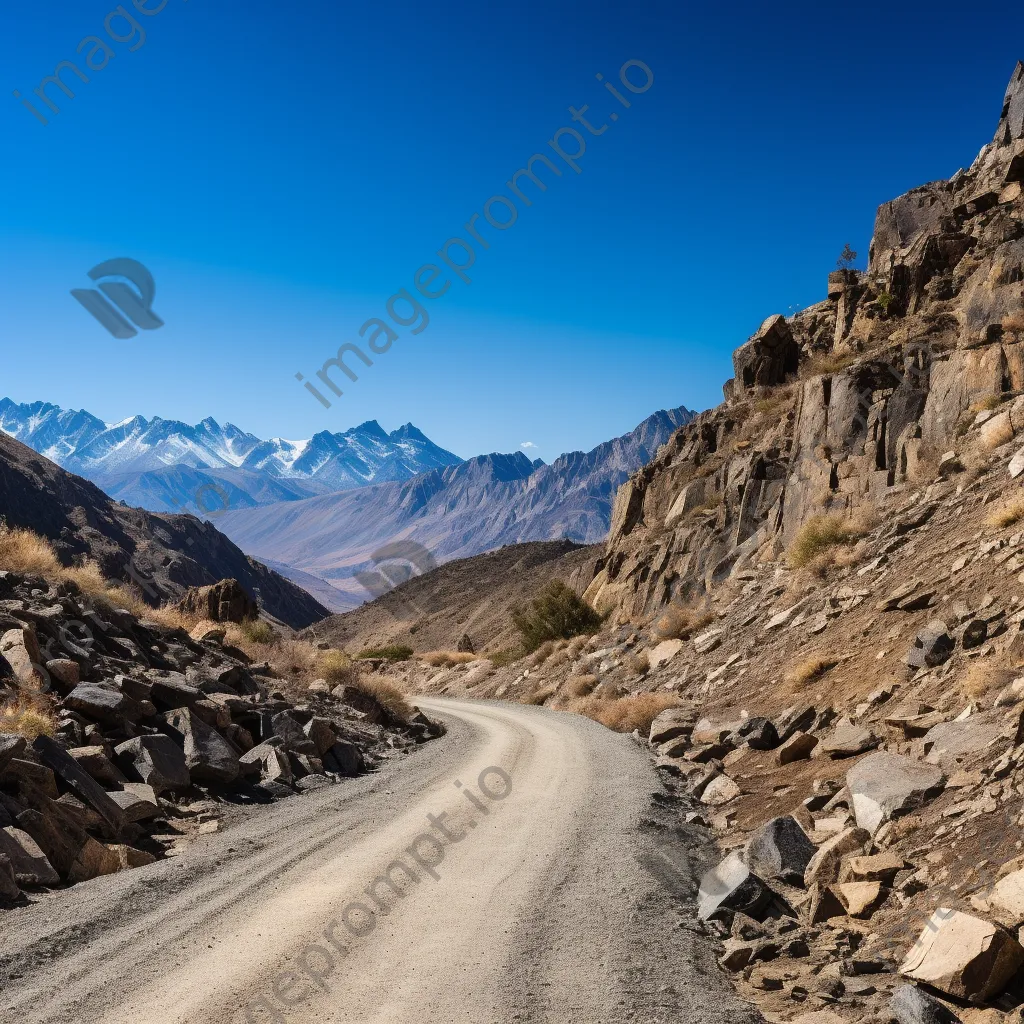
457,512
468,598
161,555
857,397
122,740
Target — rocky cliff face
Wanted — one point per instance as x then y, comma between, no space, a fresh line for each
848,401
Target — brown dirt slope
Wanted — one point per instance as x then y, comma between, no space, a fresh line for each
472,595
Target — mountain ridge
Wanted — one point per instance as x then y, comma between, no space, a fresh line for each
137,460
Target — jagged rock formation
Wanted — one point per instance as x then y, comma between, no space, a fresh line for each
849,400
162,555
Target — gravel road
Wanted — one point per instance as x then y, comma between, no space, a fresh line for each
537,892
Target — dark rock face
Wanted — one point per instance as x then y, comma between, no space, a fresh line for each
769,357
163,555
780,849
226,601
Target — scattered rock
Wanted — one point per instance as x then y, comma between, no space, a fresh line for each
883,785
912,1005
963,956
780,849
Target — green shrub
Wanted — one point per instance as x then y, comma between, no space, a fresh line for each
499,659
393,652
557,614
257,631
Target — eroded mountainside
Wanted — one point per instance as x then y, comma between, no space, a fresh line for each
162,555
851,399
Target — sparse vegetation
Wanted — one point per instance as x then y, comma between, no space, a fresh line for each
258,631
1009,513
558,613
825,363
679,621
29,716
580,686
808,670
446,659
639,664
820,535
847,258
392,652
499,659
387,694
28,554
336,668
884,301
624,714
984,676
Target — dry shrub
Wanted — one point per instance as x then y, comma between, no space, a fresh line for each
821,534
445,659
387,694
1008,514
337,668
808,670
624,714
639,664
580,686
986,405
172,617
540,694
499,659
985,676
541,654
25,552
258,631
680,621
560,656
28,716
994,439
826,363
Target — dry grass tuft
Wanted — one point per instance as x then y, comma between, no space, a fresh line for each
258,631
679,621
821,534
625,714
25,552
580,686
985,405
337,668
1008,514
445,659
639,664
28,716
985,676
540,694
826,363
387,694
808,670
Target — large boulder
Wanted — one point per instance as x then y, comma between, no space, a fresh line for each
28,862
932,646
11,746
104,704
780,849
155,760
884,785
768,357
20,649
733,886
848,739
964,956
209,757
9,888
226,601
344,758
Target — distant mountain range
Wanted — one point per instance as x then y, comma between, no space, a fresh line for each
454,512
167,465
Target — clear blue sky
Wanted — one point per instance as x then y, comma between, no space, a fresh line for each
282,170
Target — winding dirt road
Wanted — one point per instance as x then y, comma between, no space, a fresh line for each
536,892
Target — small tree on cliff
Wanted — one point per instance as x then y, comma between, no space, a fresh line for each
846,258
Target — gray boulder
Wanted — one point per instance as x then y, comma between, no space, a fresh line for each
209,757
780,849
344,758
912,1005
104,704
10,747
156,761
292,734
933,646
884,785
9,888
28,862
732,886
